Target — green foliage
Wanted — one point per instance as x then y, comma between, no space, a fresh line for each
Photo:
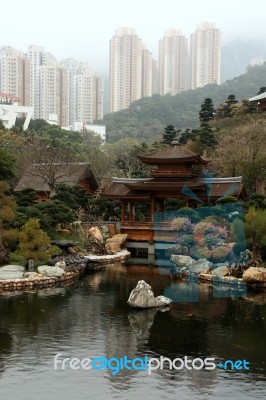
72,196
169,134
101,209
17,259
33,242
49,214
207,111
190,213
255,226
7,170
227,199
257,200
26,197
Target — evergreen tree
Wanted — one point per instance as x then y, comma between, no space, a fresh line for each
207,111
169,134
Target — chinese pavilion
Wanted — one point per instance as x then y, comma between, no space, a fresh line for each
176,173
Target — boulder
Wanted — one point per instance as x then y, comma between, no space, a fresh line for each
142,297
12,268
201,266
220,272
61,264
95,232
183,261
7,275
46,270
30,274
116,243
255,274
112,230
104,231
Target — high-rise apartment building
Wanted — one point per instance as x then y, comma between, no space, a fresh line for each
130,69
205,55
85,90
172,70
15,74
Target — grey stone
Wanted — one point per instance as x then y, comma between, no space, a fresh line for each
183,261
61,264
30,274
220,272
201,265
7,275
46,270
142,297
12,268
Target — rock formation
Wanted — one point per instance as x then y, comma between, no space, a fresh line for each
142,297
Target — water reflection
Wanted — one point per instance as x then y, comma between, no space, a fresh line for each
91,318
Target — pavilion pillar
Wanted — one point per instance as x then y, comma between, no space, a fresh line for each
153,208
130,212
123,211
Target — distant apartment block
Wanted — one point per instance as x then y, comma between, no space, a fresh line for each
15,74
173,62
205,55
131,69
62,93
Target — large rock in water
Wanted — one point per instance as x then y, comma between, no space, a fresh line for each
255,274
142,297
116,243
183,261
201,266
46,270
95,232
221,271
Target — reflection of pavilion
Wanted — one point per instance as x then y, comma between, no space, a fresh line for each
177,173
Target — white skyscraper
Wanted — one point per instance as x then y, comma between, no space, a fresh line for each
173,54
15,74
130,69
205,55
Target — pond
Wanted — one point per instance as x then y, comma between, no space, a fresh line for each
90,318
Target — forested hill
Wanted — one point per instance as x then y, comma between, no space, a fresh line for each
146,118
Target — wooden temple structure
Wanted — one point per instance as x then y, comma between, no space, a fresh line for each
176,172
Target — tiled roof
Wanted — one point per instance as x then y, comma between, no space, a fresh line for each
69,174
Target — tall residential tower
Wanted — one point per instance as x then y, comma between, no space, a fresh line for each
205,55
173,53
130,69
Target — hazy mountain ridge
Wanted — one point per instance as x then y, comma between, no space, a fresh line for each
146,118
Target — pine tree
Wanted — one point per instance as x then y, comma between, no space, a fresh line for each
169,134
207,111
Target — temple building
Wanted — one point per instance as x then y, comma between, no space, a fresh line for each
176,173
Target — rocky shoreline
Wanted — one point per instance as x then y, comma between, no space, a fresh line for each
61,270
249,273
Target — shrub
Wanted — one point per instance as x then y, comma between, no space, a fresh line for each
221,252
34,243
17,259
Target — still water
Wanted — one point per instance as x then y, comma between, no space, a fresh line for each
90,318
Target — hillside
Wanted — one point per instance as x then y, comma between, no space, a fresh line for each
146,118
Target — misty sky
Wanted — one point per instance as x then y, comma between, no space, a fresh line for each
82,28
